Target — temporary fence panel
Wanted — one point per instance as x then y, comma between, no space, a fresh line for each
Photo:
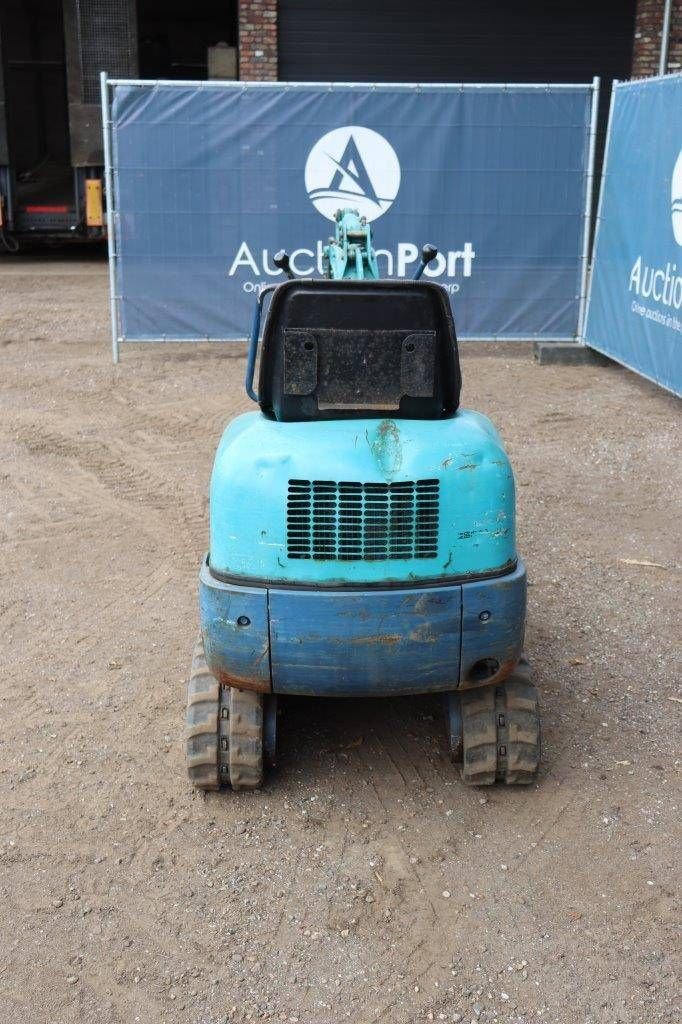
635,304
207,180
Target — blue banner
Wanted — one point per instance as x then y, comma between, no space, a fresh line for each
635,308
212,179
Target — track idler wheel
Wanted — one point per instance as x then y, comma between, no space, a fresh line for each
224,731
501,731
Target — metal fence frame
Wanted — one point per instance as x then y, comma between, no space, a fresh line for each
106,84
598,218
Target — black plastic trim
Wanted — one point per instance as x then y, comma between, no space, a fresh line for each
440,581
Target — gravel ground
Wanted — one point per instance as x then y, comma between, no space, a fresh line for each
364,883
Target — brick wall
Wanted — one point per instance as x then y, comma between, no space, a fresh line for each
647,44
258,40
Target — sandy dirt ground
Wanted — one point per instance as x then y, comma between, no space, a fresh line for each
364,883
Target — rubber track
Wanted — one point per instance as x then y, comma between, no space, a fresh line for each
501,732
517,708
201,734
479,737
246,739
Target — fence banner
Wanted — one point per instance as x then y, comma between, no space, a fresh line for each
635,307
211,179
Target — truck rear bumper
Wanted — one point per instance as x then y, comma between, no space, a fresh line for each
363,642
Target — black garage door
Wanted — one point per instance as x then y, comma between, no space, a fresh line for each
454,40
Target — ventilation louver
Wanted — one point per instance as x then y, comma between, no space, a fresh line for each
349,521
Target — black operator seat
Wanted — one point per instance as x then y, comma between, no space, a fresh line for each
343,349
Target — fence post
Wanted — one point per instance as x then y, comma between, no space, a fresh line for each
589,190
597,222
111,241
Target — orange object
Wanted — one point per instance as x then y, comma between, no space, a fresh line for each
94,215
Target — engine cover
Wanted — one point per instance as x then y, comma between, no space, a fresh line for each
361,501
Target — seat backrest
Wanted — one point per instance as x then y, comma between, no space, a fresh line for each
334,349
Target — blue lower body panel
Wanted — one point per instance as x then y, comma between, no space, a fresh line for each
493,626
370,642
375,642
236,632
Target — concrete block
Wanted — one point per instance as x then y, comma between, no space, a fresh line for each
567,353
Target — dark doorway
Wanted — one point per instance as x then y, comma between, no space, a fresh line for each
32,34
174,35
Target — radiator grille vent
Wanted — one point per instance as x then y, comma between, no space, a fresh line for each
349,521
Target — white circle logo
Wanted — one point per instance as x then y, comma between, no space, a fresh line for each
352,166
676,199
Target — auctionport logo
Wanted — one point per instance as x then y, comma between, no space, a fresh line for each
356,167
676,199
662,284
352,166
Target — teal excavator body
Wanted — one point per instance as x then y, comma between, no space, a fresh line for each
349,256
362,529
